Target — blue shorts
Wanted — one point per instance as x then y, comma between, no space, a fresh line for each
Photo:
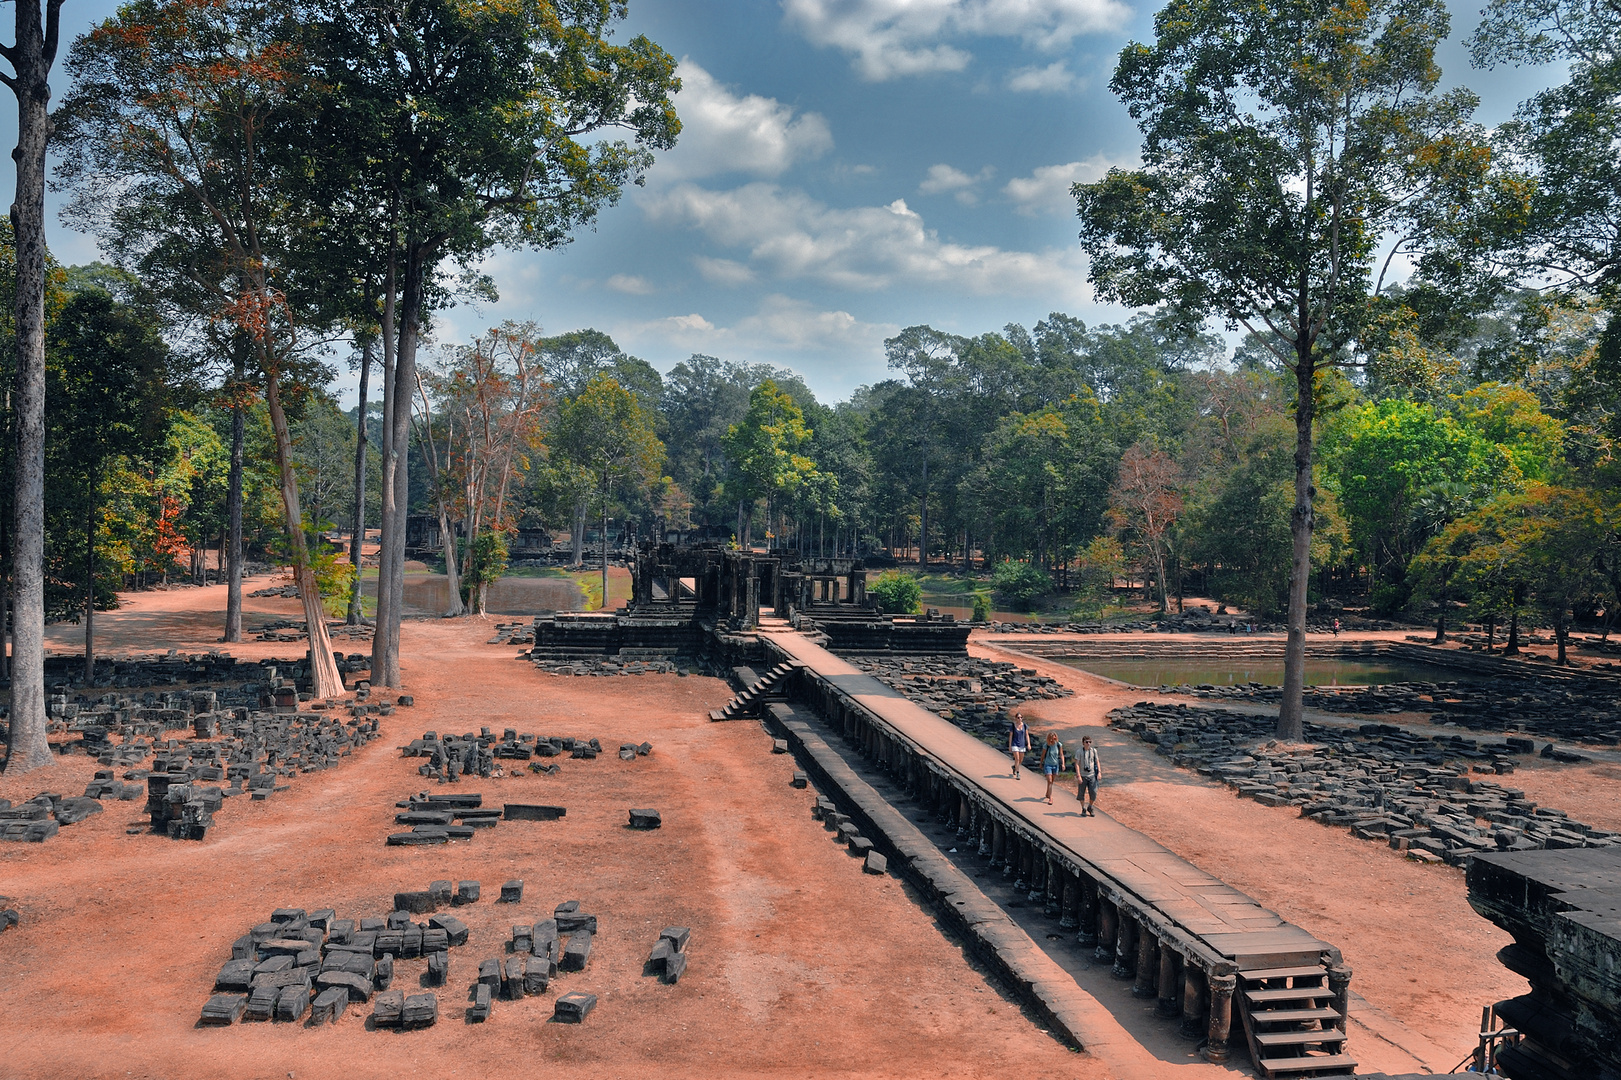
1089,785
1050,770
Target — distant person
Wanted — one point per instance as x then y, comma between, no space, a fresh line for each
1018,742
1052,762
1336,628
1088,771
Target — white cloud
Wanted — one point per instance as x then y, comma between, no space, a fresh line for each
1055,78
779,323
1046,191
944,178
793,236
723,271
889,38
722,132
631,284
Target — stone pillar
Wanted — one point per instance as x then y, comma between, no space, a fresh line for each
1170,980
1022,851
1125,945
1195,1001
1108,918
1069,901
962,815
1088,915
1221,1017
1010,853
1052,887
1147,961
1339,984
996,840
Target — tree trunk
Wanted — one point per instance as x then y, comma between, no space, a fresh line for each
1512,646
1561,634
452,571
31,58
90,582
579,534
1291,710
233,508
386,597
356,617
1491,624
386,642
325,681
923,519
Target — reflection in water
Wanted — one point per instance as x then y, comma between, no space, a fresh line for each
430,593
1267,673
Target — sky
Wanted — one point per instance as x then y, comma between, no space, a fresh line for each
846,168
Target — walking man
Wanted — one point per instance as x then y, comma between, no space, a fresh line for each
1018,742
1087,773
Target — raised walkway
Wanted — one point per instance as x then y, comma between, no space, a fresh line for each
1183,936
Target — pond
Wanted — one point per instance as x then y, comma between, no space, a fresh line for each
430,594
1194,671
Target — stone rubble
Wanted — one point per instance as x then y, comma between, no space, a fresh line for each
1380,781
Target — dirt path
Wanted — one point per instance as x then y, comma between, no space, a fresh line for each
1419,952
801,965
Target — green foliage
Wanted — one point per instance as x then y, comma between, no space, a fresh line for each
896,593
334,576
982,607
1020,583
487,561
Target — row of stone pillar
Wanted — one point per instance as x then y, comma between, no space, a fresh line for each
1157,963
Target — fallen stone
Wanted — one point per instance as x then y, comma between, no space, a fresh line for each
578,952
236,976
875,864
645,819
512,892
417,903
573,1008
531,812
222,1010
358,987
479,1010
466,893
329,1005
455,930
387,1009
420,1011
292,1003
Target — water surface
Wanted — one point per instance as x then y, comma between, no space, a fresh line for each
1266,672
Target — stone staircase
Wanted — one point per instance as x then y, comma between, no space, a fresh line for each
757,692
1293,1022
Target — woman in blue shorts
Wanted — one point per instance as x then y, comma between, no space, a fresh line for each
1052,762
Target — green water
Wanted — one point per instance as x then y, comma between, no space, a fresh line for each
1265,672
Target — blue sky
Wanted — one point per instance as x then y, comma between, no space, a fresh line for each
847,168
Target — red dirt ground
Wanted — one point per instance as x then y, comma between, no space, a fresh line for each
801,964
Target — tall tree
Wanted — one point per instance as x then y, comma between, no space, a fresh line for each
606,433
174,109
31,54
1283,142
764,451
473,126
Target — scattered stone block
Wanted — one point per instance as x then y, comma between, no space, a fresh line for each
875,864
859,845
489,973
537,972
645,819
455,930
261,1003
358,987
578,952
800,780
438,967
420,1011
573,1008
222,1010
419,837
512,892
292,1003
677,936
417,903
675,967
329,1005
388,1008
533,812
383,972
779,746
466,893
479,1010
512,977
235,977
